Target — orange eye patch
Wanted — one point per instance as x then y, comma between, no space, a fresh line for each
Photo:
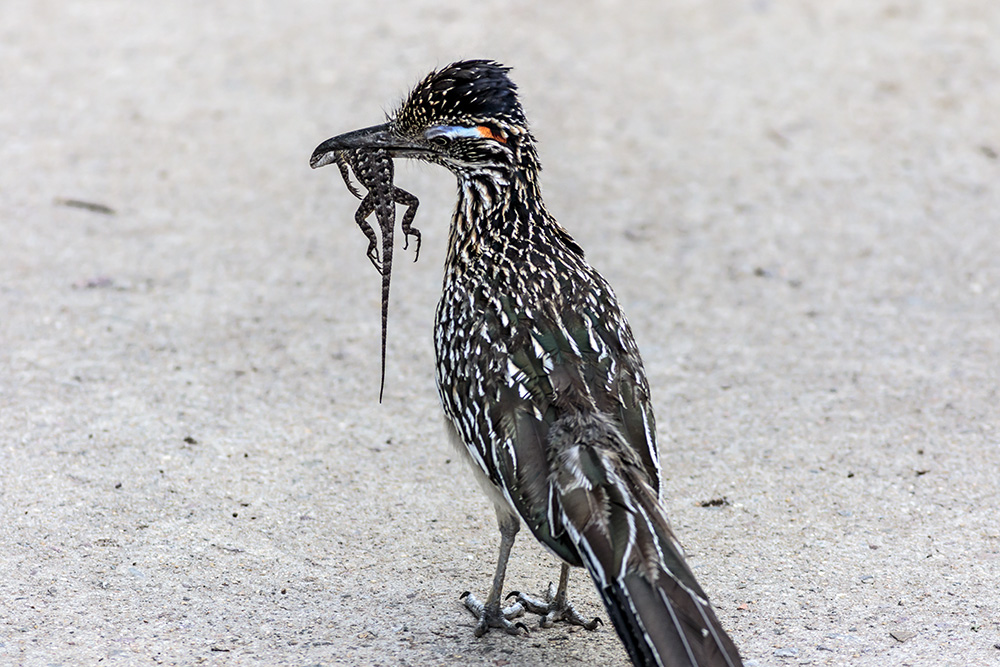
490,134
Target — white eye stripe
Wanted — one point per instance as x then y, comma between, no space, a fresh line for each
452,132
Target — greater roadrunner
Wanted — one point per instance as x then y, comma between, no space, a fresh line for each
541,380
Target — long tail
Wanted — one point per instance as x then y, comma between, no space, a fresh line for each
386,212
612,514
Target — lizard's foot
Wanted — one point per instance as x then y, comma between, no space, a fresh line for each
415,233
376,262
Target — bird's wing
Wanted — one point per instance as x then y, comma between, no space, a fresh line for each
577,449
581,357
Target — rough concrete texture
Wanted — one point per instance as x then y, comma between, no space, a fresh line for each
797,203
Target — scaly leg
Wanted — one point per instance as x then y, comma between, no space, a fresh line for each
410,202
367,208
343,162
490,613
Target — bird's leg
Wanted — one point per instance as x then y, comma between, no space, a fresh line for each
555,607
490,613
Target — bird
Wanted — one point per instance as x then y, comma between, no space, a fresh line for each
541,381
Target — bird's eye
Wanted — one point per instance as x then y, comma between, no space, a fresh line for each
442,135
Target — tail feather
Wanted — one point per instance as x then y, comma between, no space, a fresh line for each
611,512
666,627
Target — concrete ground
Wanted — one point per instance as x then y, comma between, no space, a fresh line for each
798,204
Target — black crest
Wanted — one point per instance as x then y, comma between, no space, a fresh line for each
469,90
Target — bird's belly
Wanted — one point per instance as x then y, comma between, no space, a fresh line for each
492,490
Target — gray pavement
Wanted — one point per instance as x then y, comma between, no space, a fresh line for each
797,203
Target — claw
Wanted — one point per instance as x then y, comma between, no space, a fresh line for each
494,617
554,610
373,257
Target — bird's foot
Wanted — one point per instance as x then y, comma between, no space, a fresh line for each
494,616
555,608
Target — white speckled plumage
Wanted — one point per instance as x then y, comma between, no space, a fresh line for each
542,383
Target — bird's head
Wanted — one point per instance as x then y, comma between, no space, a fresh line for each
466,117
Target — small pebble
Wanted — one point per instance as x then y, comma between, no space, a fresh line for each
902,635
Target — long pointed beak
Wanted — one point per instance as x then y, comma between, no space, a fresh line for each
377,136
